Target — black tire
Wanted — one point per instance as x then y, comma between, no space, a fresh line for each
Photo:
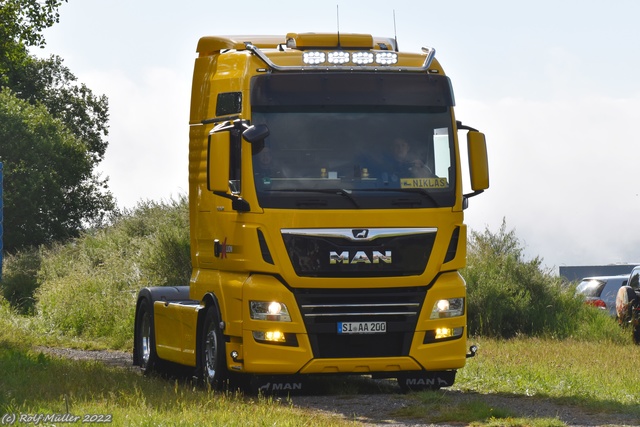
213,366
145,338
635,320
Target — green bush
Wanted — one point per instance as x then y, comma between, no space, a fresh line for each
89,286
509,296
19,279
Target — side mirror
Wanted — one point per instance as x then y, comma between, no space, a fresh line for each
218,153
256,133
478,162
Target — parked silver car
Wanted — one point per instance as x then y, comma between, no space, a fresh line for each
601,291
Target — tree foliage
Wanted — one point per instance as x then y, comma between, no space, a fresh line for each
49,82
509,295
23,20
49,187
52,132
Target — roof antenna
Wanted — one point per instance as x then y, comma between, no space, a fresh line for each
338,19
395,33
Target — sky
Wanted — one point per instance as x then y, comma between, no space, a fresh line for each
553,84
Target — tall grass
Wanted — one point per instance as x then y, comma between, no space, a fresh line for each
20,279
87,288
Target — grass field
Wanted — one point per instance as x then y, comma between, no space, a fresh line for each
33,383
598,376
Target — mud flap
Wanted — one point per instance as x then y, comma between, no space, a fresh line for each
426,380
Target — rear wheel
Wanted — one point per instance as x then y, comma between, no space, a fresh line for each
212,359
145,338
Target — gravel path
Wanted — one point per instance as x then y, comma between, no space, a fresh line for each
378,409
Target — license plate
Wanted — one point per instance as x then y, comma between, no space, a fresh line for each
362,327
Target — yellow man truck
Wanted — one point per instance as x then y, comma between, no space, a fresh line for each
326,217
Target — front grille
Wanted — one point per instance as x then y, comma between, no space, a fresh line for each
337,253
323,309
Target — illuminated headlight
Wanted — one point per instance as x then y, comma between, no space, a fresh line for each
362,58
386,58
451,307
269,310
271,336
314,58
338,57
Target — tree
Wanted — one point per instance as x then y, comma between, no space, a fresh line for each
52,133
49,82
49,187
23,20
21,25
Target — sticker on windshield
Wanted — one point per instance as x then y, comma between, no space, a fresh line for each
424,183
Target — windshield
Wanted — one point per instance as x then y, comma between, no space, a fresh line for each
346,156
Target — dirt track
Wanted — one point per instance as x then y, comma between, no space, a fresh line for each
381,408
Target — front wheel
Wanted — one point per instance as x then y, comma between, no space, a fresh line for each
212,358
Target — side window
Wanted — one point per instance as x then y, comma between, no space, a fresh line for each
635,278
229,103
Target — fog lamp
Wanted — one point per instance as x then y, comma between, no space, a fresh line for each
448,332
271,336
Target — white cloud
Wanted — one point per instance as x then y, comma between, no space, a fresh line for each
147,158
561,175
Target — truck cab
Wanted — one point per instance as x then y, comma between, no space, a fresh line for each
326,215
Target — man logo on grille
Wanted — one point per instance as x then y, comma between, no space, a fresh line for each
360,233
360,257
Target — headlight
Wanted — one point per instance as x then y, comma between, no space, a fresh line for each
269,310
451,307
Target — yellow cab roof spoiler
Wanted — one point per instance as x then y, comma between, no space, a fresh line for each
210,45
